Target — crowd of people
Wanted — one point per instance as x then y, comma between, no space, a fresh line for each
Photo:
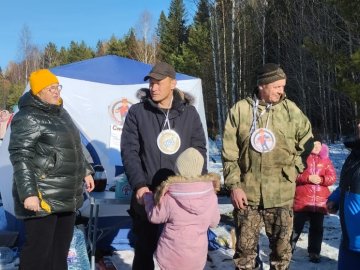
276,170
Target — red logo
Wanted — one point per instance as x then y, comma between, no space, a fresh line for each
118,110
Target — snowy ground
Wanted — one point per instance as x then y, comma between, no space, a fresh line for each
222,258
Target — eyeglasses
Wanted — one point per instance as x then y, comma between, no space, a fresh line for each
55,88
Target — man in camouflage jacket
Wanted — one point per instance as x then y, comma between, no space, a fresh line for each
266,141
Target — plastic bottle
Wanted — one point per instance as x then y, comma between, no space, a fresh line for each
122,189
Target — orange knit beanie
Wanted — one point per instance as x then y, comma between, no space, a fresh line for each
40,79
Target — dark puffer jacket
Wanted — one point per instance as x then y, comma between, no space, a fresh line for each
308,196
46,154
144,163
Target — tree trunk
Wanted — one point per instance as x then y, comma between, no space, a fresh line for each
215,49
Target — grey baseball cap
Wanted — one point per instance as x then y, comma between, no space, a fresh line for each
160,71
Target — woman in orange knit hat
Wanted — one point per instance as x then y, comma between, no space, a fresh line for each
49,172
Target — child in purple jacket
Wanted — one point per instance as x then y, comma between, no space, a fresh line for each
187,205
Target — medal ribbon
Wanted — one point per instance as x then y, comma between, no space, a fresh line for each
257,117
167,122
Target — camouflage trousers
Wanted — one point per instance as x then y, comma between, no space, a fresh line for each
278,224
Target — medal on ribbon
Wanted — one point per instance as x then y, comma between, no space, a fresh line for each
263,140
168,141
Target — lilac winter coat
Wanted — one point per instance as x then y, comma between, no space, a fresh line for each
188,208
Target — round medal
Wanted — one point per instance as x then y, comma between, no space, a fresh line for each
168,141
263,140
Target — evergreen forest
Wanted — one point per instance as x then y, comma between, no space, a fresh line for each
316,42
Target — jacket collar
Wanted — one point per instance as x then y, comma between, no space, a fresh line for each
30,100
180,98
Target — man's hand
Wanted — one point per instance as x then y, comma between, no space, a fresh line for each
140,194
315,179
238,198
89,183
32,203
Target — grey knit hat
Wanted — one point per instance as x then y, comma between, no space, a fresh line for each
269,73
190,163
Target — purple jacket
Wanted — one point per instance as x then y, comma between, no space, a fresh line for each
188,209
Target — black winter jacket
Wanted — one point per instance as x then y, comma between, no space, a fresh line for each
144,163
46,154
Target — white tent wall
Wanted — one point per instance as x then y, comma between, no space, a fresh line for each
90,106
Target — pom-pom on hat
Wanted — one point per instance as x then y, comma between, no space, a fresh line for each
160,71
190,163
269,73
40,79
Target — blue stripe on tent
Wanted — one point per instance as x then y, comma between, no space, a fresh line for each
109,69
95,157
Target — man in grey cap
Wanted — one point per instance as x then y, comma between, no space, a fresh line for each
156,130
265,145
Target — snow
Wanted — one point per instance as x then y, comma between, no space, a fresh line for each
222,258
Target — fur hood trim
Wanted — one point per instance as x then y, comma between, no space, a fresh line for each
324,152
164,186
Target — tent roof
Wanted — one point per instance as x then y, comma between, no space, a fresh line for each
106,69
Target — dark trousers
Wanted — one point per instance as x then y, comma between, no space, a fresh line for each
315,231
47,242
146,237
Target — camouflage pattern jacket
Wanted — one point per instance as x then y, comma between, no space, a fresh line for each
268,179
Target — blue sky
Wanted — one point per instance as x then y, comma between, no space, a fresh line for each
79,20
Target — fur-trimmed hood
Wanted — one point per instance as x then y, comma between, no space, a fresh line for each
179,96
178,186
187,210
324,152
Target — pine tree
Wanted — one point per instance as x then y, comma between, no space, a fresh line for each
51,56
116,47
131,44
78,52
63,56
173,32
101,48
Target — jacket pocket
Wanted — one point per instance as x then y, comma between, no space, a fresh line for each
290,173
54,164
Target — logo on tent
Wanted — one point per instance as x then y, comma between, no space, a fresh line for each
118,110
